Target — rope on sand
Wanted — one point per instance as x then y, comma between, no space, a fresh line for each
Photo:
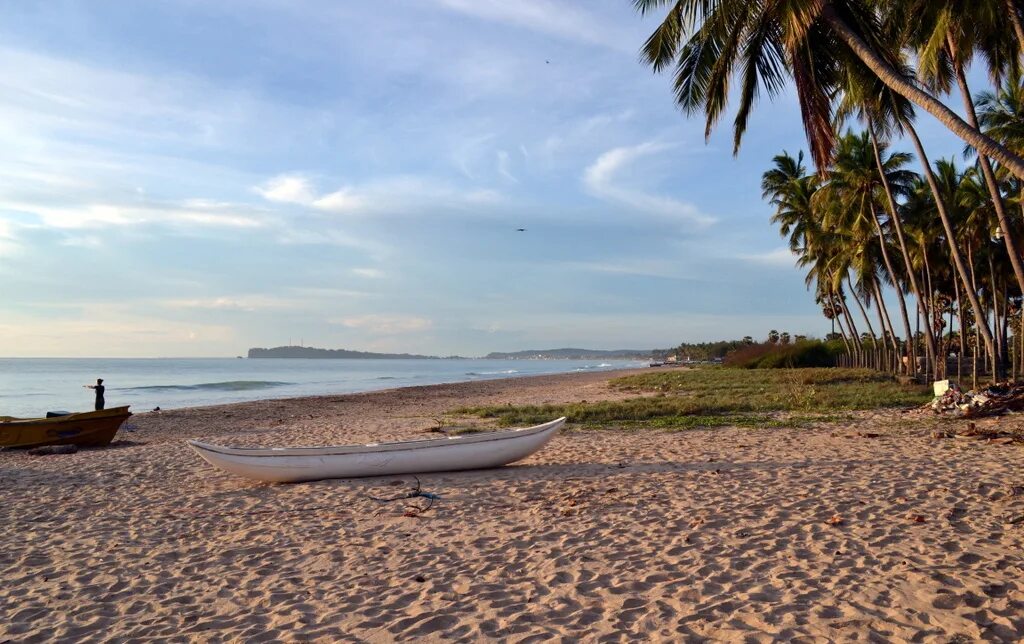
413,510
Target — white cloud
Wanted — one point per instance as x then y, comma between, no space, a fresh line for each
599,179
287,188
231,303
557,19
503,166
341,201
371,273
386,323
395,195
641,267
8,242
99,215
781,257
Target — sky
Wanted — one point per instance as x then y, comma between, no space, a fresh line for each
194,178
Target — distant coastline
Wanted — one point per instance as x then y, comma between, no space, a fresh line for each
314,353
530,354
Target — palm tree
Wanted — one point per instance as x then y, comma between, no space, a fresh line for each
856,189
946,34
814,42
789,188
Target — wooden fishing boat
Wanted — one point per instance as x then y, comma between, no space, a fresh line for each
84,429
463,452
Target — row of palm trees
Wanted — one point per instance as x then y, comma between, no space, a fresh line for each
948,238
836,226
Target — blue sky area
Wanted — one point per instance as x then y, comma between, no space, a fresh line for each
193,178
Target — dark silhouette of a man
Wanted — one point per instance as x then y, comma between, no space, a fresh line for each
99,393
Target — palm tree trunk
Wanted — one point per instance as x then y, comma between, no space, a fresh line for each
855,339
1018,29
997,356
863,311
904,87
963,332
958,260
897,225
883,319
990,179
839,322
926,279
1004,327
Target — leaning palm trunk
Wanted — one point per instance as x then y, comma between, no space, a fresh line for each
898,227
1018,29
884,319
839,322
897,82
958,260
963,332
863,313
850,326
997,356
990,179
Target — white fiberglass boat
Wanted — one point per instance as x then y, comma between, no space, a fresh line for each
462,452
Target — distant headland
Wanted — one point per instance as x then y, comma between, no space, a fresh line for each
312,352
531,354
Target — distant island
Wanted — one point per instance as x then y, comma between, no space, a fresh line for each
532,354
572,354
312,352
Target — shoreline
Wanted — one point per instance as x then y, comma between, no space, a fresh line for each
421,404
862,528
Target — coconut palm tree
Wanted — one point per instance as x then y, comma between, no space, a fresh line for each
856,193
946,34
815,43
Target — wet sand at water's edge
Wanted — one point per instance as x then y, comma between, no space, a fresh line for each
611,535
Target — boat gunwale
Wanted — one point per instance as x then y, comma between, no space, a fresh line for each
391,446
100,414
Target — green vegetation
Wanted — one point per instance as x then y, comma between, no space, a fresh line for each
806,353
715,397
703,350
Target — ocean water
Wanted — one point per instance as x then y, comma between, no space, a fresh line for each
32,386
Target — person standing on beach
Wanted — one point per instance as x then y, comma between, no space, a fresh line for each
99,393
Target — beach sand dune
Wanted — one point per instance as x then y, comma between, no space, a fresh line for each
754,535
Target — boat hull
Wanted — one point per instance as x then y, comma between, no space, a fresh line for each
465,452
85,429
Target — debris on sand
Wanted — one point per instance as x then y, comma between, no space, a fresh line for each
991,401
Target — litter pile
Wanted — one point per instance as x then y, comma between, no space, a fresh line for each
991,401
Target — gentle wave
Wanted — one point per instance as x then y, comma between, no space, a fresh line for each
230,385
603,365
492,373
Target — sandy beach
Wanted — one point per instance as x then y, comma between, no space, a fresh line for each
869,529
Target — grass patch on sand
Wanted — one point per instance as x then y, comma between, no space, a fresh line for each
716,397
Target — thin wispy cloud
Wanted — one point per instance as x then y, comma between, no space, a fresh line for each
288,189
780,257
601,180
504,166
562,20
369,273
643,267
396,195
232,303
190,212
386,324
